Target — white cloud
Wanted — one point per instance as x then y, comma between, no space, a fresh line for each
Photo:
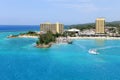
82,5
85,6
69,1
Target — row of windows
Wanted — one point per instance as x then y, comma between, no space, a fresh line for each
100,27
52,27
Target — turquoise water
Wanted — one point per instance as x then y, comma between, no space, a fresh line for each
20,60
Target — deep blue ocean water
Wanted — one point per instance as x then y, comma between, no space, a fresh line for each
20,60
16,28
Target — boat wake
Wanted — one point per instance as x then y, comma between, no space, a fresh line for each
95,50
81,46
108,47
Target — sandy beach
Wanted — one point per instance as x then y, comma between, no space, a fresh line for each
26,36
73,38
107,38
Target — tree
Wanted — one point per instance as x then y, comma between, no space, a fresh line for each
46,38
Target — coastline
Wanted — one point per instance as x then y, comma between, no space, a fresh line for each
72,38
105,38
27,36
21,36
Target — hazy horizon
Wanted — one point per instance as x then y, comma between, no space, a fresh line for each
34,12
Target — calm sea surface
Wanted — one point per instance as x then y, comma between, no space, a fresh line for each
20,60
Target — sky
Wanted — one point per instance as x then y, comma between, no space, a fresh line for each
34,12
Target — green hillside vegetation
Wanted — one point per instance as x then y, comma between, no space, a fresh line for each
83,26
113,24
92,25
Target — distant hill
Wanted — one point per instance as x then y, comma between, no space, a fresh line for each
92,25
115,22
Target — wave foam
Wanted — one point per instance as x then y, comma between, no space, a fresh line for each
108,47
81,46
103,48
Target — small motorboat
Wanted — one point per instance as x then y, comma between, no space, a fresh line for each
93,51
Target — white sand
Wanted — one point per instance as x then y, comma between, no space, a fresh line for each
26,36
106,38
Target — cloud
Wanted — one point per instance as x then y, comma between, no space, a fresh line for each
84,7
68,1
87,6
80,5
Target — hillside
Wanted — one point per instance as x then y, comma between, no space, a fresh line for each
92,25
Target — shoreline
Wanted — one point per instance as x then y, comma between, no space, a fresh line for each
102,38
72,38
21,36
26,36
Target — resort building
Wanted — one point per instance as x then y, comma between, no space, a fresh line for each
88,32
73,32
54,28
100,26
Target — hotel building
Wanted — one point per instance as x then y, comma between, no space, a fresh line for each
54,28
100,26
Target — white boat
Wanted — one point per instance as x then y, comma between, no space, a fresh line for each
93,51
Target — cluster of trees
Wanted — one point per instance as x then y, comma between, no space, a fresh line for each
114,24
118,29
112,30
47,38
31,33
